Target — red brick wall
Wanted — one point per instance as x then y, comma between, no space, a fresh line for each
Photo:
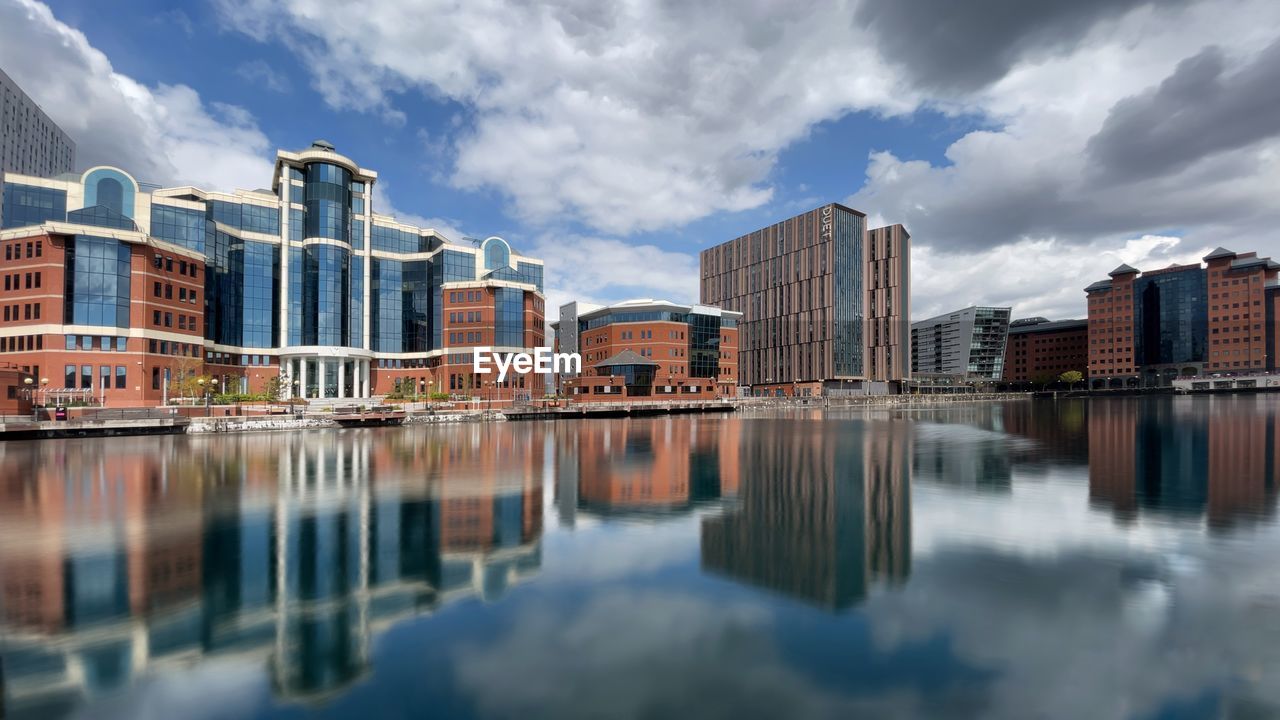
1111,339
1031,355
1237,316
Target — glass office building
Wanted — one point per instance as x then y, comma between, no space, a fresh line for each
304,281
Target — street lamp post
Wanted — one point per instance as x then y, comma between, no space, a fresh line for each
431,390
422,386
27,382
44,391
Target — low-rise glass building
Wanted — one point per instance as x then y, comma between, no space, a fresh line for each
117,292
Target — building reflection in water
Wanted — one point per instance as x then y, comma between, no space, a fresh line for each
645,468
120,558
1184,457
823,511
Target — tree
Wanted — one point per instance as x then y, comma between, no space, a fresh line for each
1044,379
275,384
1071,377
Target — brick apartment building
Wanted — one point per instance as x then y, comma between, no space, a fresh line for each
1039,350
641,350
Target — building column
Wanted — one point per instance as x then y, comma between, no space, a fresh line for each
321,373
364,372
302,382
342,378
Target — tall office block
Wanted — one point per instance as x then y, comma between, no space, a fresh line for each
888,288
802,287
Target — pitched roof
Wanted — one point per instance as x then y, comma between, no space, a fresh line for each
626,357
1100,285
1124,269
1220,252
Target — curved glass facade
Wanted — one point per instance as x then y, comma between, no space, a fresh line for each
326,300
497,254
327,197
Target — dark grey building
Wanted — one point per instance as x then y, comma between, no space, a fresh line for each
967,344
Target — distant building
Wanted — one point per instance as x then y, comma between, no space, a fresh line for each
824,302
31,143
1040,349
967,344
1149,328
649,350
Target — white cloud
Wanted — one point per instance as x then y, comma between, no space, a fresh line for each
1035,277
637,116
164,134
1020,215
603,270
627,116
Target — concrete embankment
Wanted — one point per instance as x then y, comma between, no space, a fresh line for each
265,423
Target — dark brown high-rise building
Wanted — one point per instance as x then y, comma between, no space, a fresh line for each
825,302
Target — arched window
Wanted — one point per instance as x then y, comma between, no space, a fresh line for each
497,254
111,194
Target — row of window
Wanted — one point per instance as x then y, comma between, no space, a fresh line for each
21,343
165,290
466,317
185,322
466,296
166,347
190,269
465,337
15,281
106,377
13,251
402,363
29,311
222,358
91,342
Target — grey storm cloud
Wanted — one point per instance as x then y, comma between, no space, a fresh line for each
964,46
1199,110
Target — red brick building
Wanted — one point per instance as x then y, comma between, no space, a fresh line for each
1238,327
650,350
1039,350
1111,333
1184,321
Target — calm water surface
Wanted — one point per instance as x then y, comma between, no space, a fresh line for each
1104,559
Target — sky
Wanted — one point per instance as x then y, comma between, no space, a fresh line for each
1029,148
